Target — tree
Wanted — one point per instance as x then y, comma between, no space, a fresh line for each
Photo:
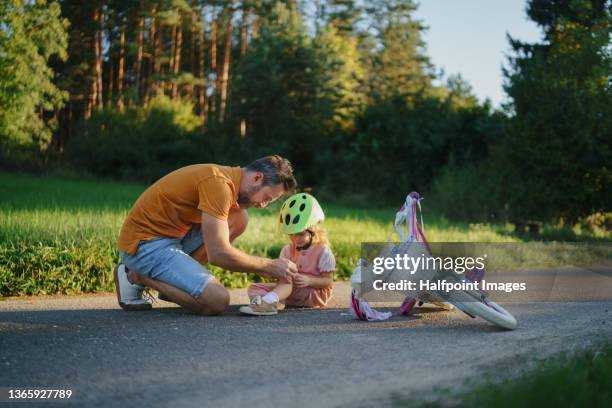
339,77
30,34
459,92
276,80
226,62
394,51
343,15
558,147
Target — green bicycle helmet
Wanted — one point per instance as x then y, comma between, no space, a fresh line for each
300,212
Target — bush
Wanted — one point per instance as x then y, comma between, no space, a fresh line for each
403,144
139,143
469,193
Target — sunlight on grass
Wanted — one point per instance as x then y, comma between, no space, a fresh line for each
59,235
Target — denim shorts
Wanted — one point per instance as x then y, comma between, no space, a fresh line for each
168,260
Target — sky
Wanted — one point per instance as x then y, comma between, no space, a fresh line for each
468,37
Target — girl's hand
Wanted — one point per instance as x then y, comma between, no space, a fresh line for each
301,281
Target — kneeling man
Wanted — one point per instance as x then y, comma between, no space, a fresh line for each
190,217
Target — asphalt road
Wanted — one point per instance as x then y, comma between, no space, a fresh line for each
300,358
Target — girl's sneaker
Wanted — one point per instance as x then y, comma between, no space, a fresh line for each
259,308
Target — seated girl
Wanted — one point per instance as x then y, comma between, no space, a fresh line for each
309,249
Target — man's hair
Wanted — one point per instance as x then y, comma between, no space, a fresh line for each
275,170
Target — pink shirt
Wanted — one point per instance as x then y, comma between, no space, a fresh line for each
313,261
317,259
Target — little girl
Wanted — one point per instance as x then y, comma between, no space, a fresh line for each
309,250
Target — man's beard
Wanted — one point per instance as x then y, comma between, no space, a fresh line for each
244,199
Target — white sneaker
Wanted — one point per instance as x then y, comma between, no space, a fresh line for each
129,295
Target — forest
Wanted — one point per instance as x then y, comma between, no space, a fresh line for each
132,89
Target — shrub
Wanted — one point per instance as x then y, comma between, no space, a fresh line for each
469,193
139,143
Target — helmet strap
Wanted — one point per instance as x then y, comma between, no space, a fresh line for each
305,247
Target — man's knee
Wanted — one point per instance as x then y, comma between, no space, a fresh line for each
213,300
237,222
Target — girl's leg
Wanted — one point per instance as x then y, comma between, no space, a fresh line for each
309,297
260,289
282,289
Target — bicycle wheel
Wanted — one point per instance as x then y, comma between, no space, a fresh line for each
490,311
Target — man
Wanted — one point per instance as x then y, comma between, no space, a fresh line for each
190,217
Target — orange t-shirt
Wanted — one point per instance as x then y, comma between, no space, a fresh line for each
171,205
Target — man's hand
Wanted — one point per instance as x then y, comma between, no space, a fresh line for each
281,269
221,253
301,281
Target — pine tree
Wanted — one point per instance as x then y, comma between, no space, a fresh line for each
558,146
30,34
394,53
277,82
339,76
343,15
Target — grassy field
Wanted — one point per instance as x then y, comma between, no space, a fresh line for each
58,235
580,379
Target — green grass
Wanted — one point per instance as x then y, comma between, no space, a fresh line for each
58,235
582,379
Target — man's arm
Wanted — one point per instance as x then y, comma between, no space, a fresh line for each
221,252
